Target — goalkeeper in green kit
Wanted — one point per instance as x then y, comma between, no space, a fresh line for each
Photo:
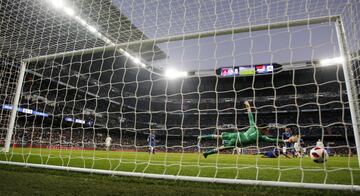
231,140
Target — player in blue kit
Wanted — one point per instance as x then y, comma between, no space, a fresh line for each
285,136
274,153
151,143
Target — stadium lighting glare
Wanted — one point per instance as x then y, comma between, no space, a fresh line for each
172,74
126,54
57,3
69,11
91,28
108,41
82,22
136,60
332,61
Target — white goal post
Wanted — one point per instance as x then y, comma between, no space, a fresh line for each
349,80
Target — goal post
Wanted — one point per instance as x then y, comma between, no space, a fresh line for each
347,72
350,84
352,92
15,105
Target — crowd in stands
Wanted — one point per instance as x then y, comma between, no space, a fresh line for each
175,129
127,140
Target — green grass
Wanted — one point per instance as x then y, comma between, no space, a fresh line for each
22,181
30,181
338,170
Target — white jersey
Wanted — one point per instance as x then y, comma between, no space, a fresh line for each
108,141
320,144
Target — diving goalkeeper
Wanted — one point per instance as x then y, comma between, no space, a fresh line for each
231,140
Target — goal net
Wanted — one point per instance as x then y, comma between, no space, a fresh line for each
158,89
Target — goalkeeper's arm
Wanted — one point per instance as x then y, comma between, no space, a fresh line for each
292,139
250,115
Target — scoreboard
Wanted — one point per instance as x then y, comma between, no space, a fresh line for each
248,70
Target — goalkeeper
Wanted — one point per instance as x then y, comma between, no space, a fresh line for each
231,140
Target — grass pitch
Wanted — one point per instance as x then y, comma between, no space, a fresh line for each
25,181
30,181
338,170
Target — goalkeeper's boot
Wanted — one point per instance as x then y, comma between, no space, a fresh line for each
209,152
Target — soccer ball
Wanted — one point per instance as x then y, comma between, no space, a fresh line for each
319,155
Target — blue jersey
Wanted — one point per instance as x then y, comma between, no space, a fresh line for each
272,154
151,140
286,135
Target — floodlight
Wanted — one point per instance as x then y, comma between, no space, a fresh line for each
57,3
172,74
69,11
332,61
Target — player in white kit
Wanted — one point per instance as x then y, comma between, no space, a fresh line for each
108,143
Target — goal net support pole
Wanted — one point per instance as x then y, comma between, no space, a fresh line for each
350,83
15,105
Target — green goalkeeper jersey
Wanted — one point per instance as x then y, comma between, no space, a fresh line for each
250,136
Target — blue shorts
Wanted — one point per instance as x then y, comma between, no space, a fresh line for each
288,145
269,155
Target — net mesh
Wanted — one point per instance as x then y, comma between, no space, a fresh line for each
140,107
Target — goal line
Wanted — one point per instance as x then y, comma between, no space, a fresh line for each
190,178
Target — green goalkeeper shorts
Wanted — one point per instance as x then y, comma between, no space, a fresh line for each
229,139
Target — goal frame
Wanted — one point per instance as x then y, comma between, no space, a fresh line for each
348,75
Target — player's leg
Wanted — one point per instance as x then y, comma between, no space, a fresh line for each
293,150
227,144
297,149
287,156
303,151
269,154
213,151
150,149
212,136
284,149
237,151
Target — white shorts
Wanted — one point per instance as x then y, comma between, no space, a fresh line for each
297,147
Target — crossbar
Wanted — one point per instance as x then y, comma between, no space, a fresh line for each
277,25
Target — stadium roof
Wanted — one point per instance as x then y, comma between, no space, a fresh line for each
35,28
